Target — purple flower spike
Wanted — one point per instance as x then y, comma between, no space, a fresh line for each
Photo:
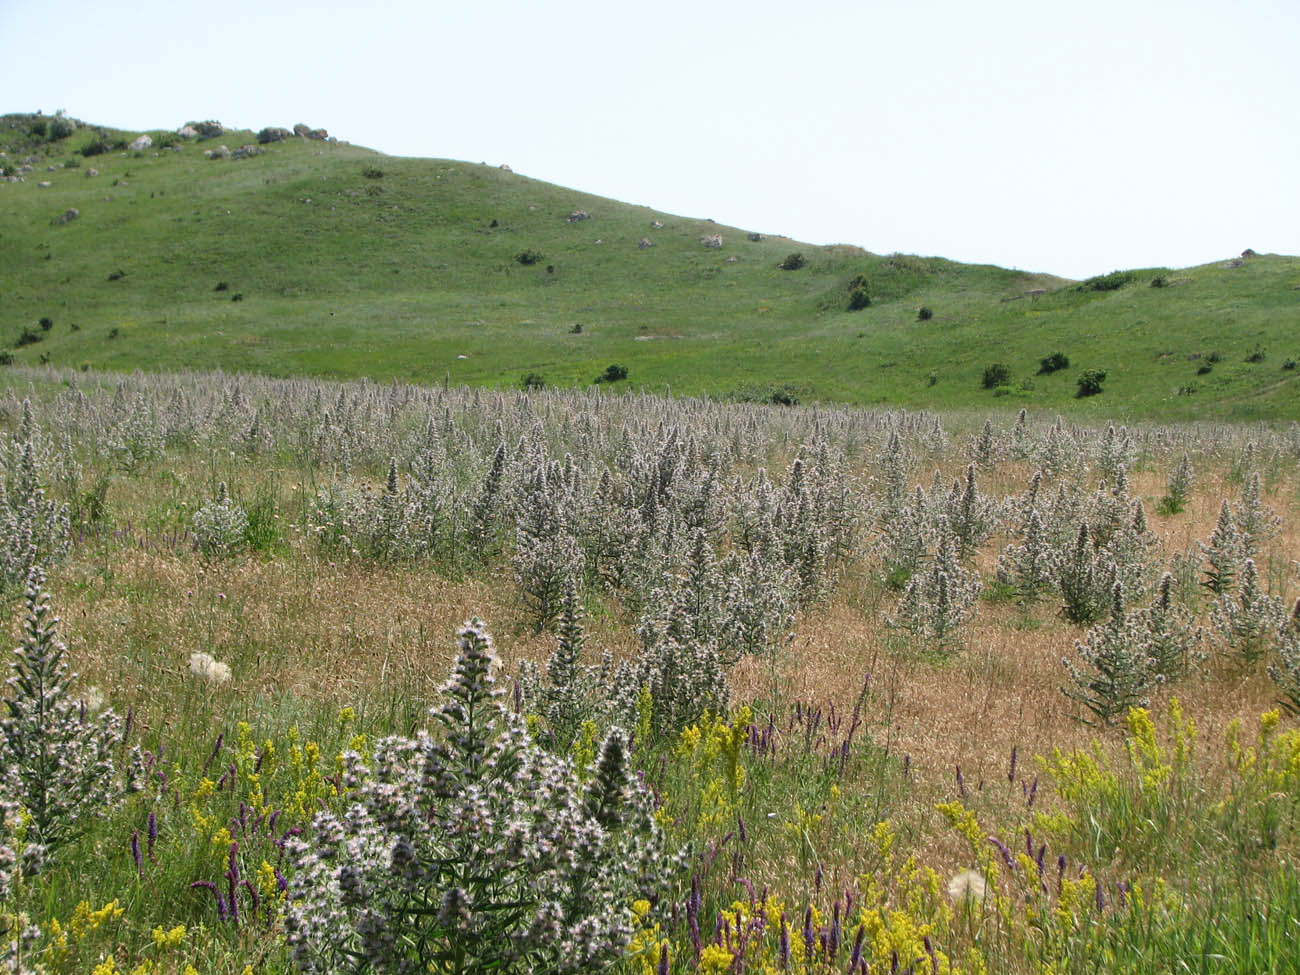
1011,773
784,944
1002,849
153,832
135,851
662,969
856,957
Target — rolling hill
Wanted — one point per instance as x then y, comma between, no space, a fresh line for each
316,257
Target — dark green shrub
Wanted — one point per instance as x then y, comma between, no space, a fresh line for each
1107,282
1213,357
1159,281
996,374
533,380
1290,364
37,129
612,374
1258,355
792,262
6,358
372,172
28,337
46,323
924,314
859,299
72,164
117,275
1053,363
1204,369
528,258
237,296
59,128
114,332
221,286
575,328
95,147
1090,381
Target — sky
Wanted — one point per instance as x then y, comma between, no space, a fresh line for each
1068,137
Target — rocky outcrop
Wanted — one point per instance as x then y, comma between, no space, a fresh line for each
712,240
272,134
307,132
141,144
243,152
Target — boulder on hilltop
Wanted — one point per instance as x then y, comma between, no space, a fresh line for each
272,134
307,132
141,144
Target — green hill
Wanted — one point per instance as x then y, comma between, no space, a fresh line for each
323,258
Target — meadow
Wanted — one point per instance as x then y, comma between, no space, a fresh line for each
385,677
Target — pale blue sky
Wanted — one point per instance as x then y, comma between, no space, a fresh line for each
1067,137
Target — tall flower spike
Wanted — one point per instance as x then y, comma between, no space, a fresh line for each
61,758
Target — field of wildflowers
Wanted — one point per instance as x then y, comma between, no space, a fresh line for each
379,678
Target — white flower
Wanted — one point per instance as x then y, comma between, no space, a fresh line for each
93,698
967,885
210,669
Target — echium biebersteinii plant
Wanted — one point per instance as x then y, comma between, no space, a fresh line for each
1117,668
474,850
1029,568
1115,453
1172,637
1084,579
1246,622
220,526
546,553
1223,553
573,692
1128,548
59,754
985,448
1256,522
682,670
972,516
939,600
1178,488
32,527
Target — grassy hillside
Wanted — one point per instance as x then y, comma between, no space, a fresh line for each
346,262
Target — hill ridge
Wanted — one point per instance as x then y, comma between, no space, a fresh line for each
315,256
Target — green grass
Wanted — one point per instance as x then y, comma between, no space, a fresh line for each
400,276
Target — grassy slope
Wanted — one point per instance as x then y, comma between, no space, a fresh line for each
342,275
